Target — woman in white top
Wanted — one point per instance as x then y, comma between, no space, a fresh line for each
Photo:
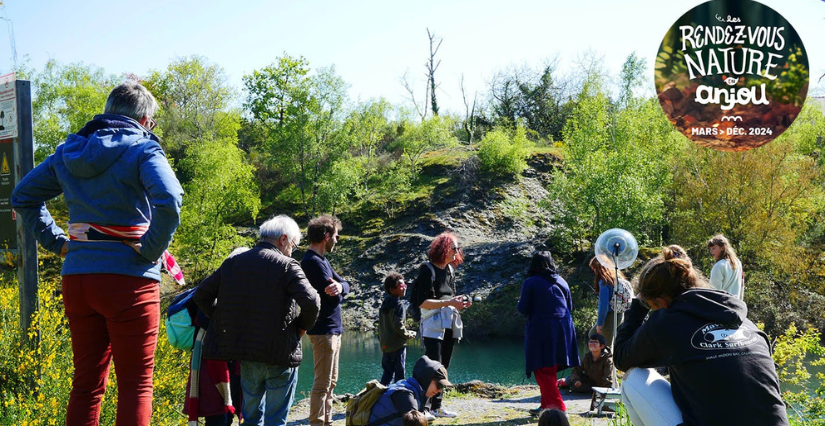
727,273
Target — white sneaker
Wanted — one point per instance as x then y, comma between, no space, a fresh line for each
430,417
441,412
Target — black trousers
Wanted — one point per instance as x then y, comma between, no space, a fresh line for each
441,351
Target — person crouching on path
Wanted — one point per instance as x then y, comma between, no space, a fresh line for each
392,333
266,305
124,206
429,379
596,368
435,289
550,337
720,365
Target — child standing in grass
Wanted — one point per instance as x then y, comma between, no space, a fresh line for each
392,334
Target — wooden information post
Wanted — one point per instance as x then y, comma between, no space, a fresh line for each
16,160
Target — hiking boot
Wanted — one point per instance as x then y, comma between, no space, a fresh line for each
536,411
429,416
441,412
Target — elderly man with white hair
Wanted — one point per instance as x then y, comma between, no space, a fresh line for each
266,305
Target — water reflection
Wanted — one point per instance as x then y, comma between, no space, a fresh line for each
495,361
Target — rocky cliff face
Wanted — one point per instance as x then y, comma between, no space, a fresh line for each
499,226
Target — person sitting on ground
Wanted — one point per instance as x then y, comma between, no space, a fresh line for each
414,418
596,368
429,378
392,334
720,365
553,417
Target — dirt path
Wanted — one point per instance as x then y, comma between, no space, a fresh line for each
509,407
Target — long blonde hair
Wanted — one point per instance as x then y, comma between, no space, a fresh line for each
728,252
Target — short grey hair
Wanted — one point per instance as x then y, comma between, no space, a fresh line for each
132,100
279,225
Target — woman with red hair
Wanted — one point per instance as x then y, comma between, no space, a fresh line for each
436,296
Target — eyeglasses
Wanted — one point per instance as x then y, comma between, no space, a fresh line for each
438,385
593,342
150,124
292,245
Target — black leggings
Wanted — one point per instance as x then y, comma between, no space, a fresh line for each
441,351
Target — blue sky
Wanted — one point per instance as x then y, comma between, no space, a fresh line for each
371,43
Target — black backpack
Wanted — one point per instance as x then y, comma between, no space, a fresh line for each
414,309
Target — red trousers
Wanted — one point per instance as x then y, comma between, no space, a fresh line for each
546,377
111,316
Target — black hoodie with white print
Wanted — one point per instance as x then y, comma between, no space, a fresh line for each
720,364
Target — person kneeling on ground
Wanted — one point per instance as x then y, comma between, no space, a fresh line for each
720,365
429,379
596,368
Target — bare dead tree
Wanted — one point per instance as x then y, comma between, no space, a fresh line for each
469,112
421,111
432,66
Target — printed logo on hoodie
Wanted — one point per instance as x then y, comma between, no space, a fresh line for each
721,336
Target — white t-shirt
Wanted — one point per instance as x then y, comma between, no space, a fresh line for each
724,277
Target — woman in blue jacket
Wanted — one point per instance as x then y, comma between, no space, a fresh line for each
124,205
550,338
603,285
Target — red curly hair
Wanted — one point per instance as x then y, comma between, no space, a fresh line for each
441,246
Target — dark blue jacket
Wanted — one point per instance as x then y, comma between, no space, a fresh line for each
405,395
318,271
550,338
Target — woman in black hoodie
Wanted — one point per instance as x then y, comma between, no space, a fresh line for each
720,365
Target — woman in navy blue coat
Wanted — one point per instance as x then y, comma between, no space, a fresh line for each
550,338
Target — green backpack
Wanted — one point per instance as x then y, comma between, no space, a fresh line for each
359,407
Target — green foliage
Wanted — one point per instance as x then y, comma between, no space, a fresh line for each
503,152
761,199
616,171
222,189
300,115
417,138
534,98
340,182
792,352
65,97
194,104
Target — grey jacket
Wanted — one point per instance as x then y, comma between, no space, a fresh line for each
263,301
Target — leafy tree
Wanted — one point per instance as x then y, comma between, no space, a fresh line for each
537,99
194,101
763,200
65,98
368,128
616,171
222,190
630,79
418,138
340,182
301,115
504,152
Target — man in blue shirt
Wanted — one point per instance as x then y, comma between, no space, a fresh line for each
322,233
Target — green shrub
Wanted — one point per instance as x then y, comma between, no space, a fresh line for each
504,152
